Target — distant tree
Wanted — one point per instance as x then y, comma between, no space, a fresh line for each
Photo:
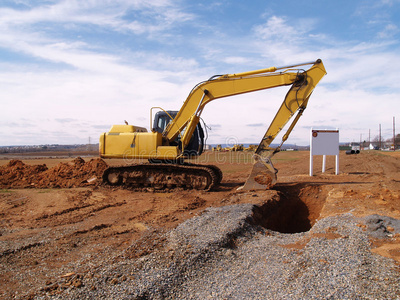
375,141
389,141
397,139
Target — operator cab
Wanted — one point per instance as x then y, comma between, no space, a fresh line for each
196,144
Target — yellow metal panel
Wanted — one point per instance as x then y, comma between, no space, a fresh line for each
118,145
102,144
126,128
167,152
130,145
122,128
146,144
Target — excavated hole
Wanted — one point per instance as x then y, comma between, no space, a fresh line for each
294,209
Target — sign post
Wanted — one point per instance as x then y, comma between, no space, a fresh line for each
324,142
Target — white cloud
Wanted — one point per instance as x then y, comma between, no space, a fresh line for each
110,14
236,60
287,41
389,31
278,28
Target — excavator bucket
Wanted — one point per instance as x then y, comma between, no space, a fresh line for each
262,176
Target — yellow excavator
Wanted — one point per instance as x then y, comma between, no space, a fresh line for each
178,135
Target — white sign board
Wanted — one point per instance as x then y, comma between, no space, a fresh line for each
324,142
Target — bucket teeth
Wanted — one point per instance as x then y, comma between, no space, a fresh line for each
262,176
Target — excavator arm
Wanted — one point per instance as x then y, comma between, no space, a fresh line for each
302,84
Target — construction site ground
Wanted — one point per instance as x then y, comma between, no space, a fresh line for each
55,211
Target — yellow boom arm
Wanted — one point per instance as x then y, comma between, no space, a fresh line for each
302,84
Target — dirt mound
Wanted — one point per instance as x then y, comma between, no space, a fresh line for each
76,173
16,173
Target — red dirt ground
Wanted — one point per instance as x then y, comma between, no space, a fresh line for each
55,212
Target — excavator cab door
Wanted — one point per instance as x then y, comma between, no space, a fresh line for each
161,120
196,144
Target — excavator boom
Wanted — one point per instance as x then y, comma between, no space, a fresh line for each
302,84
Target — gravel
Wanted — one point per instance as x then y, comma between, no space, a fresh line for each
225,254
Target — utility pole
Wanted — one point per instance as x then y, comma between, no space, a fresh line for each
394,135
369,138
380,138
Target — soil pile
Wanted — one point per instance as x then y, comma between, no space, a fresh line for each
76,173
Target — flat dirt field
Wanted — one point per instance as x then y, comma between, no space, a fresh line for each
58,221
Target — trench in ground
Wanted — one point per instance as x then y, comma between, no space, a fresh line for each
295,209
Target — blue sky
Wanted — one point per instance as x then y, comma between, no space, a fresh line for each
71,69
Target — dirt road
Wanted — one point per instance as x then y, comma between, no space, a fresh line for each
51,231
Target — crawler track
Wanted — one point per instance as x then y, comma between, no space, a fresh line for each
164,176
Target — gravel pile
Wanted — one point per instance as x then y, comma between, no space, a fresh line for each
224,254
